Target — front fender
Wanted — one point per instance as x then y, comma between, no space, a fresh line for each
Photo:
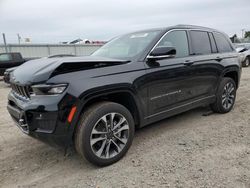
104,91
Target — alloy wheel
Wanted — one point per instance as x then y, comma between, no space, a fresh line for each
228,95
109,135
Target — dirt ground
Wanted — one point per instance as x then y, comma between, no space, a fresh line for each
188,150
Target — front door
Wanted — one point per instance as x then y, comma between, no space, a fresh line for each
169,80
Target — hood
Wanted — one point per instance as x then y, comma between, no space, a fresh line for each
40,70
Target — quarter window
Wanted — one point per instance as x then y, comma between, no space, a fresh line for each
200,42
177,39
223,44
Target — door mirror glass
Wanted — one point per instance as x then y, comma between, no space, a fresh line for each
162,52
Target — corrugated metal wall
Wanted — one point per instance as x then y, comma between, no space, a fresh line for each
44,50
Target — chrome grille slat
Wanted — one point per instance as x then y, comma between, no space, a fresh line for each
27,89
19,90
16,89
22,91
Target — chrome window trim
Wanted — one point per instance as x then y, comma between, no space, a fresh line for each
171,30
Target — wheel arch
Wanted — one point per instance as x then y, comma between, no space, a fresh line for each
122,94
233,73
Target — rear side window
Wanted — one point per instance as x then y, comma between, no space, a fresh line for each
222,43
177,39
200,42
17,56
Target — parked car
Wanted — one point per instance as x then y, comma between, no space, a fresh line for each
244,50
6,76
9,60
96,102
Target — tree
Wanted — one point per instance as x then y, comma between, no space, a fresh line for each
234,39
247,34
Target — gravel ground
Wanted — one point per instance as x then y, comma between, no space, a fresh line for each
188,150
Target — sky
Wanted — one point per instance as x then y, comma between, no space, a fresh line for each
54,21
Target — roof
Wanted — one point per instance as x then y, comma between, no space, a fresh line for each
180,26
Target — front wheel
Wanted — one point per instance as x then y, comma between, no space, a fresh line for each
225,96
104,133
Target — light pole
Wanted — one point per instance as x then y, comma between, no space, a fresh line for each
242,30
5,44
18,38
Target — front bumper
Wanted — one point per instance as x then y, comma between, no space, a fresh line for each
44,118
6,77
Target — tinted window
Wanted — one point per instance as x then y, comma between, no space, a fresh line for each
213,45
177,39
17,56
222,43
200,42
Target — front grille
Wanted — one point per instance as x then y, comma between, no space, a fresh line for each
22,91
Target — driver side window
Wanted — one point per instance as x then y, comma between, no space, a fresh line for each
177,39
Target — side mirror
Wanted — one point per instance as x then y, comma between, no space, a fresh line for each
162,52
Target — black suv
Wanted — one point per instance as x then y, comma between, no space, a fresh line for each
96,102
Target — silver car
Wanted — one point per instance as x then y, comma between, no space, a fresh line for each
244,50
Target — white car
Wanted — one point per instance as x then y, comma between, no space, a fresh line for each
244,50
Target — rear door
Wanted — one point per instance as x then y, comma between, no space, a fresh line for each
206,64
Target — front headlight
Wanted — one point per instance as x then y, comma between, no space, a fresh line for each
48,89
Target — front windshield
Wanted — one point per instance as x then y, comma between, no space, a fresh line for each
127,46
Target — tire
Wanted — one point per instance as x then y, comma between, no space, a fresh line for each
246,62
112,144
225,97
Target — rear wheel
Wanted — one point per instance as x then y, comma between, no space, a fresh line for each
225,96
104,133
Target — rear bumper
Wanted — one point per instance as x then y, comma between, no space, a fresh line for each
46,123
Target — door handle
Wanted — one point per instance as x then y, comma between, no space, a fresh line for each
188,62
218,58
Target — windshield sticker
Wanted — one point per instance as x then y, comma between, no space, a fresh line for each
140,35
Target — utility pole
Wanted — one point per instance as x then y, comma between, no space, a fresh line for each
243,30
5,44
18,38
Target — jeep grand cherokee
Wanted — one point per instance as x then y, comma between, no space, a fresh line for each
95,103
